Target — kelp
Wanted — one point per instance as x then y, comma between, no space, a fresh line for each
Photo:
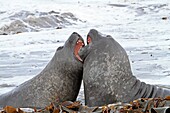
142,105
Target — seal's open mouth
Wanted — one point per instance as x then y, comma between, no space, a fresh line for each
78,46
89,39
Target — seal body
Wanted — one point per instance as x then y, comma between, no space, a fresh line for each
59,81
107,74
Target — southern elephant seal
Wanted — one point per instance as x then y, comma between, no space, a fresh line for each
59,81
107,74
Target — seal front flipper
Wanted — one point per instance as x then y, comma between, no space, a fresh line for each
59,81
136,89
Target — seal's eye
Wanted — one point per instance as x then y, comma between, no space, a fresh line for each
78,46
89,40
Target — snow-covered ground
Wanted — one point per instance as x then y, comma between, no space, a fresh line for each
142,27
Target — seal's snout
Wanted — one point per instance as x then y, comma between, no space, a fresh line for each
75,33
93,33
94,36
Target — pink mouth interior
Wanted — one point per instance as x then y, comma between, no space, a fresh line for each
89,40
78,46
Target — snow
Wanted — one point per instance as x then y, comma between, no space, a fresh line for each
136,24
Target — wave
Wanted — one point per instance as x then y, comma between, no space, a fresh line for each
6,85
25,21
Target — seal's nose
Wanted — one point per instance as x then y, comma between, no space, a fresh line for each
76,34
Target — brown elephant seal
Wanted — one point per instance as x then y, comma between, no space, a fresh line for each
59,81
107,74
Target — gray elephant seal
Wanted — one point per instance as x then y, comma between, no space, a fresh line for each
107,74
59,81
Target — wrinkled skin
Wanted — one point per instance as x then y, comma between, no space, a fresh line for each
59,81
107,74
